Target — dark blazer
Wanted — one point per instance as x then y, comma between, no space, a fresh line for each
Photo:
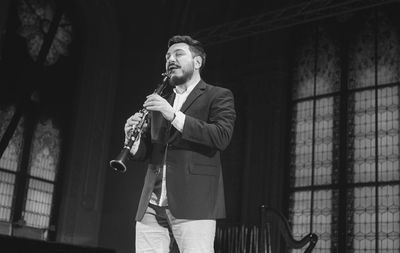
195,187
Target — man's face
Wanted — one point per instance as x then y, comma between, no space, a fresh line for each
179,63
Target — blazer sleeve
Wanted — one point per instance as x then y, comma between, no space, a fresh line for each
217,131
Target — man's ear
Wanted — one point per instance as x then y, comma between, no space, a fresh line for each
198,62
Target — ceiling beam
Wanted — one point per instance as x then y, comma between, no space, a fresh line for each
282,18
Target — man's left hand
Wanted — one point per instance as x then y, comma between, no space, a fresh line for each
155,102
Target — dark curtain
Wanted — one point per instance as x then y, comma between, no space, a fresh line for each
255,163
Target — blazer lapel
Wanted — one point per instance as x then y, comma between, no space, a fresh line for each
171,98
196,92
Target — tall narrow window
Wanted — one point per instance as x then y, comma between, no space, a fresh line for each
42,170
314,138
373,163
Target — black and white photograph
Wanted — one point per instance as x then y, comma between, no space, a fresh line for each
213,126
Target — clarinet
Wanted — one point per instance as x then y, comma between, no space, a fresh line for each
119,163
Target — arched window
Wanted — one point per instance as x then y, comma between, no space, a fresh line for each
38,83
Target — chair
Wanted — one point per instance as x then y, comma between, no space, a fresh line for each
270,216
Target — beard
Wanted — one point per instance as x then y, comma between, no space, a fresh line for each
176,80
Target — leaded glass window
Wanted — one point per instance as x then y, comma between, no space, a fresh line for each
38,84
314,139
42,169
9,163
32,205
345,174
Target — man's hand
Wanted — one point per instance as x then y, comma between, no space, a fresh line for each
131,123
155,102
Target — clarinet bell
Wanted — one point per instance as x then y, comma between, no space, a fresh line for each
119,163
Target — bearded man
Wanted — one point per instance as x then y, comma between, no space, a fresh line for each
183,192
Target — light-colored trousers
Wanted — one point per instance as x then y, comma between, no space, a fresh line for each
153,233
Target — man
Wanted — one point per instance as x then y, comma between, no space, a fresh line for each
183,192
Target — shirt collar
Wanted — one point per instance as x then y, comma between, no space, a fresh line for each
187,91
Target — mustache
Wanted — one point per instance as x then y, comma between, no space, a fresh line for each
173,65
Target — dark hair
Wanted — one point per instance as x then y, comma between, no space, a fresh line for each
195,46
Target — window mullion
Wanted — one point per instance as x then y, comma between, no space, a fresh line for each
343,151
314,110
376,133
22,174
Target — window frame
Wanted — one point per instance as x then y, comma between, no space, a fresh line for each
340,166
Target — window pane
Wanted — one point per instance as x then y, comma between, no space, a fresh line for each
322,220
38,204
364,214
45,151
302,152
364,220
388,137
362,67
323,141
7,181
11,156
362,57
327,67
389,219
362,137
304,74
322,217
300,213
317,64
388,52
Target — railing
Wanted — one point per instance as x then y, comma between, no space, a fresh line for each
237,238
241,238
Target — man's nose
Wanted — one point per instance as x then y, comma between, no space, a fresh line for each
171,58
